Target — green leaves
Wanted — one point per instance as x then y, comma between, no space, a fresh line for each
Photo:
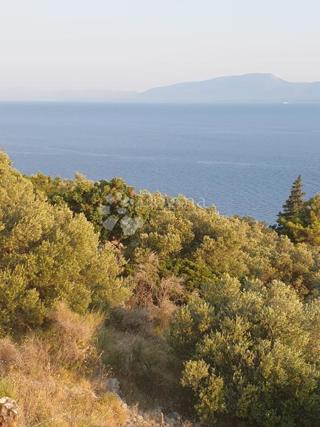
50,254
300,220
255,358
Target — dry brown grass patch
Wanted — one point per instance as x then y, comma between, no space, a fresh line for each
49,376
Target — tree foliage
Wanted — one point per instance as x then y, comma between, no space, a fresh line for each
249,353
293,206
49,254
109,205
300,220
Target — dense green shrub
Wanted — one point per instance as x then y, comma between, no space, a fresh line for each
199,245
250,353
49,254
111,206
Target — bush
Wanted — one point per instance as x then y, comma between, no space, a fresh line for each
48,254
250,354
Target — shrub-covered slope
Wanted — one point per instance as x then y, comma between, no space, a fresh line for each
197,315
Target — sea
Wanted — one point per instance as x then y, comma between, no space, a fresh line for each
240,158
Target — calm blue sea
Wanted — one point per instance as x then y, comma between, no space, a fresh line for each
242,159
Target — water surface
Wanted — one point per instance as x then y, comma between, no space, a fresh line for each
242,159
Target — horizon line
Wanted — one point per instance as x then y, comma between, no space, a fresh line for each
137,92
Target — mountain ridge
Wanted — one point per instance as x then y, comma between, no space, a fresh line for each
243,88
253,87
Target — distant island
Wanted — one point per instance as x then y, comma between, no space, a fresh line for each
247,88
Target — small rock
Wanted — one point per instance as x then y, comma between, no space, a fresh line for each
113,385
8,412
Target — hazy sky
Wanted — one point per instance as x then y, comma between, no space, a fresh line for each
137,44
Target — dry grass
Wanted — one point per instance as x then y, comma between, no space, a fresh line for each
72,337
140,357
45,376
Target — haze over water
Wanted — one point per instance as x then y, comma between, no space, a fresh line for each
241,158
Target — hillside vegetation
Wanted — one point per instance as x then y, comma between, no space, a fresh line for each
213,319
